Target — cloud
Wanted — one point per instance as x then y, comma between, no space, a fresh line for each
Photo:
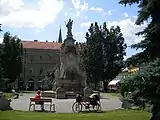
86,24
126,15
84,7
80,7
129,29
109,12
97,9
79,34
66,13
69,14
39,30
85,17
18,13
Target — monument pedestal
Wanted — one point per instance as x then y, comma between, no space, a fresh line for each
50,94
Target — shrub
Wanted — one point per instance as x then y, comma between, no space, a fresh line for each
123,88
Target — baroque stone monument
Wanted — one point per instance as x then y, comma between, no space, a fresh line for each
69,75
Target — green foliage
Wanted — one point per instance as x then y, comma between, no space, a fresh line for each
103,54
147,82
124,88
137,60
1,69
8,95
93,58
12,57
148,11
114,52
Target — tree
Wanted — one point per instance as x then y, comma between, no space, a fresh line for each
12,57
137,60
113,52
1,69
147,81
148,10
93,55
103,55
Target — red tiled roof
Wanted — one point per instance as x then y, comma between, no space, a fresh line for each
41,45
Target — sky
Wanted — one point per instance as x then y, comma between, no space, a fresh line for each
41,19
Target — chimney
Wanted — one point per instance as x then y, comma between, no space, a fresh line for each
35,40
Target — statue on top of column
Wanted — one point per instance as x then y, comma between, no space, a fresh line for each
69,27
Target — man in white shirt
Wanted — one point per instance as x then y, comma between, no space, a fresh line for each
15,93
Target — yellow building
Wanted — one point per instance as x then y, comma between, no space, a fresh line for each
133,70
127,72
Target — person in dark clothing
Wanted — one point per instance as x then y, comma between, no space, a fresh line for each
15,93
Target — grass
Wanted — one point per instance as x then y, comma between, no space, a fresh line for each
112,115
11,95
114,94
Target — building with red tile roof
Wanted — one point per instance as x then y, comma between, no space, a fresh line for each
41,45
38,58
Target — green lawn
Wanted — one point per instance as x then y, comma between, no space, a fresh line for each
10,95
113,94
112,115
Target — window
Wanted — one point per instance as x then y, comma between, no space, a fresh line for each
41,57
41,70
31,58
50,57
31,70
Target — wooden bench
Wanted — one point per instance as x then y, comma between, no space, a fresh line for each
34,102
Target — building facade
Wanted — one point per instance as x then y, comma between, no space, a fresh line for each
38,57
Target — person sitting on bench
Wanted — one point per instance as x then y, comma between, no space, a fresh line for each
15,93
38,96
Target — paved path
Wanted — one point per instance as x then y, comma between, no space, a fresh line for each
63,105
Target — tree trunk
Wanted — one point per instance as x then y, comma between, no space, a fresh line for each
105,86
